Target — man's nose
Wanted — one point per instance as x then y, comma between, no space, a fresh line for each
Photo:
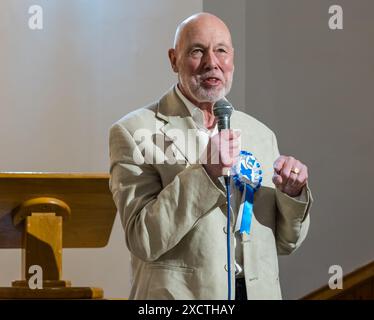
210,60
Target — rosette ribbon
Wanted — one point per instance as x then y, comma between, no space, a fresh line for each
247,177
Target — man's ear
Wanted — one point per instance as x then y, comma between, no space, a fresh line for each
173,60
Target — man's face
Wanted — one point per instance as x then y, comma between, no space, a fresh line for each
203,59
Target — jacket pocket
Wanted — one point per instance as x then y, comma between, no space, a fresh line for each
168,281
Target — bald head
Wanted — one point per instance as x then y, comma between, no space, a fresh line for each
198,21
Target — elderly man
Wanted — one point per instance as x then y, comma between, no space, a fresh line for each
174,212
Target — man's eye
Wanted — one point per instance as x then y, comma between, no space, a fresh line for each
197,52
222,50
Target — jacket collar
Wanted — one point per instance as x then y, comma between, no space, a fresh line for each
172,110
170,105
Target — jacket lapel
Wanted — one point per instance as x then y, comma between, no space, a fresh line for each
179,127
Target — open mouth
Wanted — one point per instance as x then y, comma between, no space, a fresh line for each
212,81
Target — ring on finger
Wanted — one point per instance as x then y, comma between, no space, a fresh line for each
295,170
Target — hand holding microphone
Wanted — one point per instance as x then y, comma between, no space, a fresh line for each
224,147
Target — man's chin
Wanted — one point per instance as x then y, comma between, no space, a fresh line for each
210,97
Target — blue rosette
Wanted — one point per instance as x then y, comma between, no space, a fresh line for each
247,177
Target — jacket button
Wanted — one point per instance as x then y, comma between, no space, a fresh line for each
225,230
226,269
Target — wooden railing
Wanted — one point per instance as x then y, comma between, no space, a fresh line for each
357,285
42,213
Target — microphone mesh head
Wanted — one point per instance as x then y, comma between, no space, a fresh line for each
222,108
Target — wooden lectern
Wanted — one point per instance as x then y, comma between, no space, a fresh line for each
45,212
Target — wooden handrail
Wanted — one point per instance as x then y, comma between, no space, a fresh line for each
44,212
357,285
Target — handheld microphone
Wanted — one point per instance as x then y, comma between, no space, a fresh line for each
222,110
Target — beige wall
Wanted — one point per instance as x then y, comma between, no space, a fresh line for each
63,86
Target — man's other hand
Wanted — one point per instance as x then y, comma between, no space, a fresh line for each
290,175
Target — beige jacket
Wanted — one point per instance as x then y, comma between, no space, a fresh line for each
174,215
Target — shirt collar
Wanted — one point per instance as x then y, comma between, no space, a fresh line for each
195,112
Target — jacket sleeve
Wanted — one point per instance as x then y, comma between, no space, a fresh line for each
293,216
154,218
